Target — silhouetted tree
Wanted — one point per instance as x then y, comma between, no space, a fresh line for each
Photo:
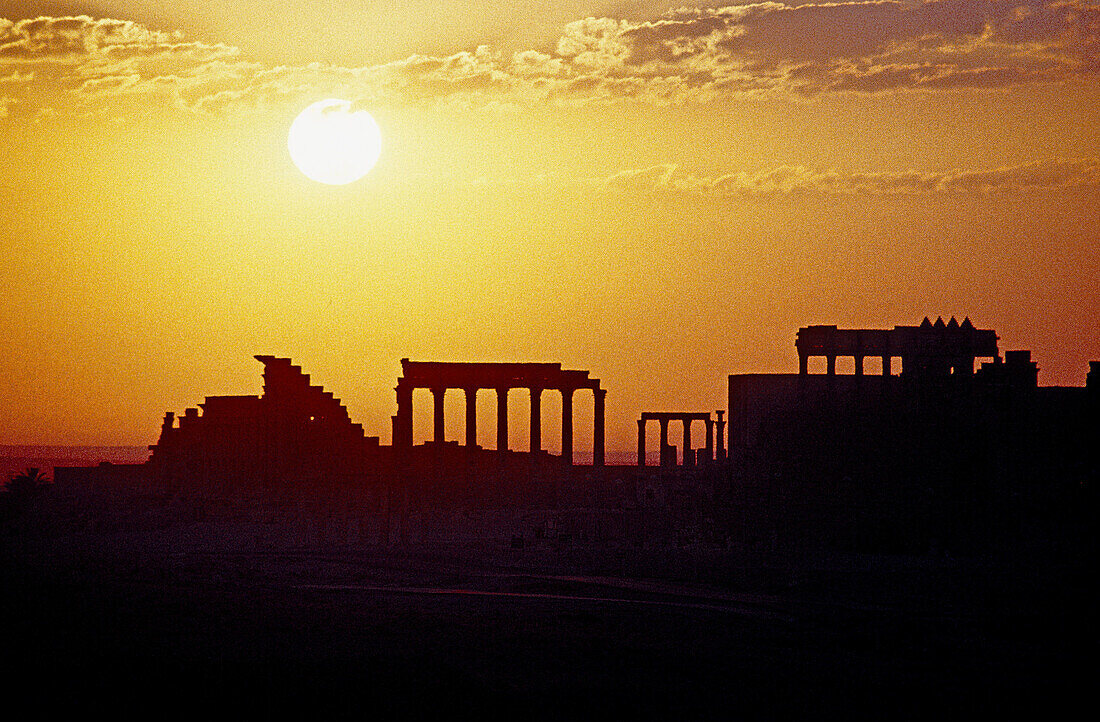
26,482
20,489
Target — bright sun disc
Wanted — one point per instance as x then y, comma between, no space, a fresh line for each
332,144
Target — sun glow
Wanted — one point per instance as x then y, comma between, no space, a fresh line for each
332,144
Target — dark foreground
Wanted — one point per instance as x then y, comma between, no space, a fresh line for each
186,623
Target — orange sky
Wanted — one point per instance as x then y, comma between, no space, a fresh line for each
661,197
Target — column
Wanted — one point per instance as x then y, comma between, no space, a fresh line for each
803,364
536,419
641,442
830,367
710,439
437,426
687,441
721,436
404,435
471,417
859,365
567,425
502,419
885,365
599,396
664,438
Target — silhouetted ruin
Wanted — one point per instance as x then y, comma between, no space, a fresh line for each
689,456
928,349
501,378
926,456
927,533
296,434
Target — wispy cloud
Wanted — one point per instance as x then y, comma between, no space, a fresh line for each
668,180
791,180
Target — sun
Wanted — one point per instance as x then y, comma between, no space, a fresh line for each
332,144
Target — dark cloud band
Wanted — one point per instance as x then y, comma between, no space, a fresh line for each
686,56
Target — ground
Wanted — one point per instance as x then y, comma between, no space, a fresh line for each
187,620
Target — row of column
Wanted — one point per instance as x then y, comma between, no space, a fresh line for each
962,365
709,448
403,420
830,364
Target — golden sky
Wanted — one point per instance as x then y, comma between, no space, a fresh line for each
661,196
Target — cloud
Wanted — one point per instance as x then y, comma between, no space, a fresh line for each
863,46
790,180
689,55
71,38
1047,174
90,43
105,66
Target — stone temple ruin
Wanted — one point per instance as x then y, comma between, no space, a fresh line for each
929,349
829,455
689,456
295,435
501,378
